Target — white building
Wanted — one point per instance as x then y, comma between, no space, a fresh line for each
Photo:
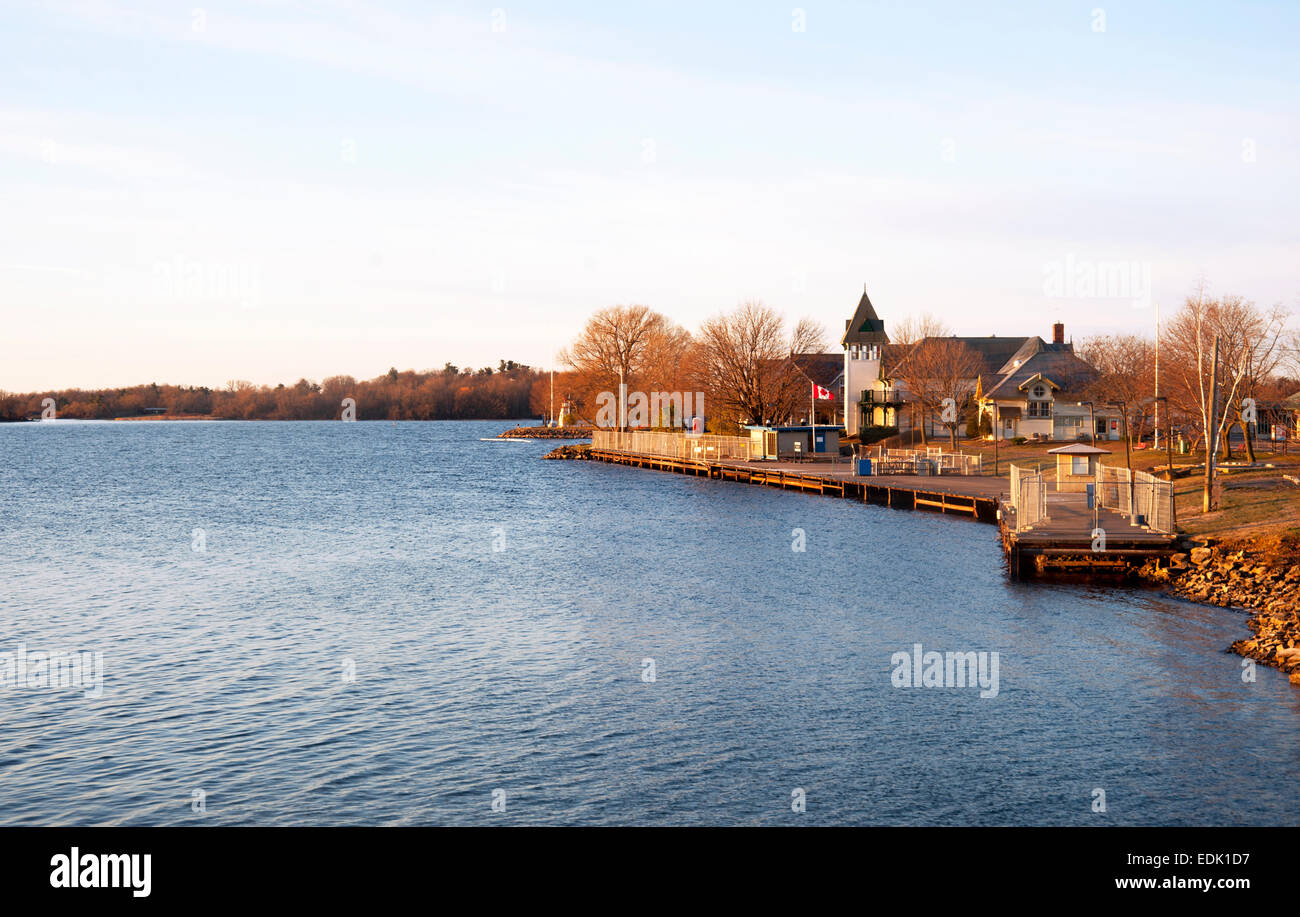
1025,386
867,398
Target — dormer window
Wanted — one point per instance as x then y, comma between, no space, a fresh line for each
1040,391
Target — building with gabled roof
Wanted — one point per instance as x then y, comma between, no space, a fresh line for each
1025,386
1040,393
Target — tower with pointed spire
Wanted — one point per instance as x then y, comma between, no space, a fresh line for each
864,338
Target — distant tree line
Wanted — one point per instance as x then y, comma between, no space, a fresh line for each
450,393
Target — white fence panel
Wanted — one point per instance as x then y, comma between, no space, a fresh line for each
674,445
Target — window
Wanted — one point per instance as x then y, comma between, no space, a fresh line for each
1039,391
1040,409
1079,464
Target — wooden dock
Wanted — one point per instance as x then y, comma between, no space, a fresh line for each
974,498
1061,546
1064,544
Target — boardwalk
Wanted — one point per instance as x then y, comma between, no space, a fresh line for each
985,486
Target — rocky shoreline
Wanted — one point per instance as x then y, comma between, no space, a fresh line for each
547,433
1264,583
573,451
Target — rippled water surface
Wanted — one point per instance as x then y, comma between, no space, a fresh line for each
496,611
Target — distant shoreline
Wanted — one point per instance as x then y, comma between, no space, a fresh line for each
192,417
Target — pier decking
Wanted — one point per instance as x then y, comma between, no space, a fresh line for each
1063,543
975,498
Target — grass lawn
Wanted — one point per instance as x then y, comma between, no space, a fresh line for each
1256,503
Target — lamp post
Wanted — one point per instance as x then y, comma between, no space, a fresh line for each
622,401
1169,469
1092,420
1128,458
1128,454
997,430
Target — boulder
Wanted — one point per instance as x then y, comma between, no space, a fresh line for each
1201,556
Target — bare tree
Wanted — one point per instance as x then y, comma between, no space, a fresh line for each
630,344
1126,375
940,373
749,363
1264,344
915,328
1247,339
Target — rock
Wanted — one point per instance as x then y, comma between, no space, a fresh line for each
1201,556
577,451
571,432
1178,561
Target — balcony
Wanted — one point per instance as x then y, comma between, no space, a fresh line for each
889,399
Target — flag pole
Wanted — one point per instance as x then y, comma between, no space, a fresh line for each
1156,422
812,416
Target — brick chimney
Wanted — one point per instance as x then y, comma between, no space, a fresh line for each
1058,333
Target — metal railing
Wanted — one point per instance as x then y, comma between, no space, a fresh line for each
707,448
1142,497
930,460
1113,489
1153,501
1028,497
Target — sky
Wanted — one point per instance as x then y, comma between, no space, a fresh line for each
205,191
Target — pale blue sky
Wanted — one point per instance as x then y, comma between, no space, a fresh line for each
201,191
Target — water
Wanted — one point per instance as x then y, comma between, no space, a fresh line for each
371,546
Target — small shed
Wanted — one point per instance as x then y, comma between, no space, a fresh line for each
1076,466
828,439
785,442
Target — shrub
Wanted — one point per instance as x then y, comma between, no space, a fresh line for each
875,433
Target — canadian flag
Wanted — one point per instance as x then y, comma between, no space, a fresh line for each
822,393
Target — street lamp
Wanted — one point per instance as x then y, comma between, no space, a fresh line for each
1092,421
1128,458
997,429
1169,469
1169,437
1123,408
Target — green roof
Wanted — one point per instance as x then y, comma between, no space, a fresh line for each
865,327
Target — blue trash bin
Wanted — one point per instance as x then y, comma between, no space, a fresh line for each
864,466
